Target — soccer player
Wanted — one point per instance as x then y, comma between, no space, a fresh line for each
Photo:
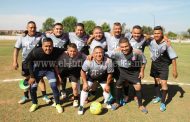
69,65
99,69
162,56
98,39
60,40
79,38
131,68
41,62
27,43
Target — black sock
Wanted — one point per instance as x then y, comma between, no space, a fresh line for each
157,89
92,93
118,93
26,94
43,93
164,93
76,98
126,90
139,97
64,85
133,91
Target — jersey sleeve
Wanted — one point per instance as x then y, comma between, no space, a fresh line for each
18,43
86,65
172,54
110,65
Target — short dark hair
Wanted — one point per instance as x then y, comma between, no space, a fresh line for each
98,47
47,40
98,27
158,28
116,24
73,45
124,40
58,24
80,24
31,22
137,27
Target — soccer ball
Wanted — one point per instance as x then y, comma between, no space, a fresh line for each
96,108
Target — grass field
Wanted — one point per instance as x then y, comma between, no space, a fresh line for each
177,102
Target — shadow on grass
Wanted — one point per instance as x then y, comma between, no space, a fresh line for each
149,92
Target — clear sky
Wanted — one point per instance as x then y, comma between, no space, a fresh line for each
174,15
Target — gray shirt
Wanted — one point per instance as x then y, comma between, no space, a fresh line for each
59,42
95,43
157,50
80,42
27,43
131,60
137,44
95,70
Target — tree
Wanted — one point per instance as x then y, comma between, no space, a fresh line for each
48,24
172,35
69,23
106,27
147,30
188,31
89,26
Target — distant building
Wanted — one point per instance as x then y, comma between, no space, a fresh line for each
11,32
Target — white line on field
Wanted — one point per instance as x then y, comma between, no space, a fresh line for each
144,81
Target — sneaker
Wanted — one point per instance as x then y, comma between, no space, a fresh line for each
63,95
162,107
156,100
33,107
75,103
81,110
59,108
46,99
108,106
23,100
54,104
115,106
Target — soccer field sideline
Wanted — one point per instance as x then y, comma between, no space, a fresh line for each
143,81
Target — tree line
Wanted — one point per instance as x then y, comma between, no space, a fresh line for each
70,22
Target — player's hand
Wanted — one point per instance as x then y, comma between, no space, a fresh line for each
89,57
31,81
175,74
107,88
137,51
141,75
168,42
49,32
85,87
15,65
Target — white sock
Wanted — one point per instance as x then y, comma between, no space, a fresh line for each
105,94
83,97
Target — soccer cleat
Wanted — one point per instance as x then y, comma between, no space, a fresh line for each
162,107
156,100
46,99
75,103
63,95
59,108
23,100
33,107
81,110
108,106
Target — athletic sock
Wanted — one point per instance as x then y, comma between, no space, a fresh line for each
157,89
164,93
118,94
26,94
126,90
139,97
83,97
